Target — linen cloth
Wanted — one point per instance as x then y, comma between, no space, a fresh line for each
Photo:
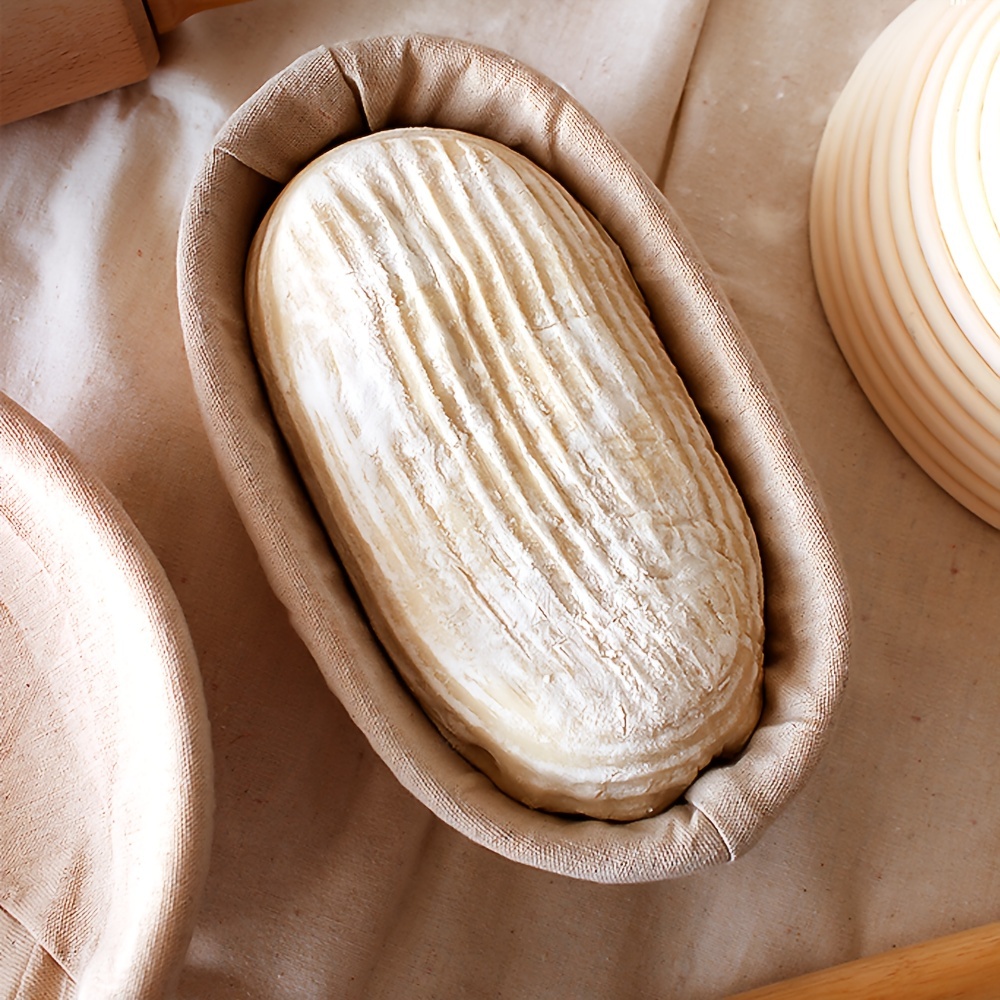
327,878
105,753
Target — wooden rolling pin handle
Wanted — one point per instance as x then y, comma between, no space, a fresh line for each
964,966
54,52
167,14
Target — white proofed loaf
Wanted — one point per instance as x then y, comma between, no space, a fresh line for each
510,468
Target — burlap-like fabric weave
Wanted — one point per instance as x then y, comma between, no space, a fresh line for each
105,754
330,95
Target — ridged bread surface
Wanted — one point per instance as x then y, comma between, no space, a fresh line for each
510,468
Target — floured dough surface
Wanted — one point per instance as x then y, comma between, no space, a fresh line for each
510,468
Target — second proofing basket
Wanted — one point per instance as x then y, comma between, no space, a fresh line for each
331,95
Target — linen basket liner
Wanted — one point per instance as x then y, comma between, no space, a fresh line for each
106,762
333,94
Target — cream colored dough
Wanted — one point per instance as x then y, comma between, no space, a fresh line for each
511,469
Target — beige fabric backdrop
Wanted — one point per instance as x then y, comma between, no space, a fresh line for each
327,879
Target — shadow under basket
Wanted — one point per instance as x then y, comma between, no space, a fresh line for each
334,94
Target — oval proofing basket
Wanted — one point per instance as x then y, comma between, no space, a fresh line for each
334,94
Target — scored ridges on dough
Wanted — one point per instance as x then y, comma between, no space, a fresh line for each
510,468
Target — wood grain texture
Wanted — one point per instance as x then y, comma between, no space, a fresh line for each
964,966
56,52
167,14
511,469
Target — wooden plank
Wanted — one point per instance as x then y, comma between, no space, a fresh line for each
964,966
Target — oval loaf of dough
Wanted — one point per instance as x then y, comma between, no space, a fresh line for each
510,468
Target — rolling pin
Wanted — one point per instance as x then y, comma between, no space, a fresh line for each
54,52
963,966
